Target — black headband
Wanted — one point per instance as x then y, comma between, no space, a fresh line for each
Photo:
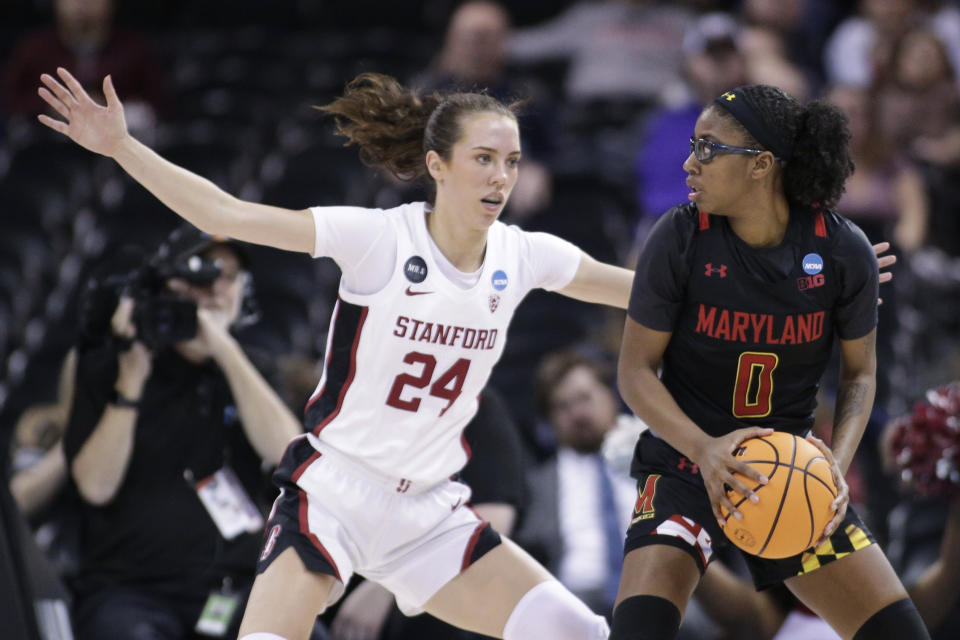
736,104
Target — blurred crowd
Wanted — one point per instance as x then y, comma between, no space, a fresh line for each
612,89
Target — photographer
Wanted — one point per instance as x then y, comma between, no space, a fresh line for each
170,438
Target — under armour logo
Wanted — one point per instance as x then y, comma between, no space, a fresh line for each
722,270
729,96
684,462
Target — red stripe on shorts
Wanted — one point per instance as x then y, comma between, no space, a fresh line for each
473,543
305,530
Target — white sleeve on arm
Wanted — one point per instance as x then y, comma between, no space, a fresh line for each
553,261
361,241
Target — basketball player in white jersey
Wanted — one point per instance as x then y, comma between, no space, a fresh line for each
426,296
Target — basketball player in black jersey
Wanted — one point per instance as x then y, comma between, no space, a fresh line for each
738,296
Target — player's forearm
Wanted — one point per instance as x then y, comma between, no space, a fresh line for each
196,199
854,404
267,422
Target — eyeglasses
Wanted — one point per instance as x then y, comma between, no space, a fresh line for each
706,150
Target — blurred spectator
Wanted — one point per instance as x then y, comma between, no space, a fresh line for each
474,56
581,500
859,44
770,42
495,475
166,445
617,49
919,100
39,473
83,39
886,195
713,63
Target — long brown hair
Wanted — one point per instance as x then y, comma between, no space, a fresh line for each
394,127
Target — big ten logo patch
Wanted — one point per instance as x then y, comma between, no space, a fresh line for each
644,509
415,269
811,282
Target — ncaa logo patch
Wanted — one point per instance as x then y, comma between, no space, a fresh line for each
812,263
415,269
499,280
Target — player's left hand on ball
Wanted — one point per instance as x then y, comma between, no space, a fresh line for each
839,504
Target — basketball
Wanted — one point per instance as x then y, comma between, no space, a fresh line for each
794,506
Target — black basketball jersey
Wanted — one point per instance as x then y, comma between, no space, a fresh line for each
752,328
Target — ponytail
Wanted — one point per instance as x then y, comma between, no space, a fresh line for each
812,141
395,127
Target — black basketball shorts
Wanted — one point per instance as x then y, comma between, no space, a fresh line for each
673,508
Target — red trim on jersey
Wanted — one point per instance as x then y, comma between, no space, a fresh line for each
349,380
820,225
326,362
305,530
303,467
704,220
465,444
473,539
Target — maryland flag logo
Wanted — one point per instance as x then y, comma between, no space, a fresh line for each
644,509
729,96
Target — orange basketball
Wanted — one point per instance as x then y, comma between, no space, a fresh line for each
794,506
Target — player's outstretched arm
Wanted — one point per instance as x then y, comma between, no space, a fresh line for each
103,129
600,283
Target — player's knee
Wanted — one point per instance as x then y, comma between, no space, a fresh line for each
899,620
549,610
262,635
645,618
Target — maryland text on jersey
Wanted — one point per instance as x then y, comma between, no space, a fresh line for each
759,328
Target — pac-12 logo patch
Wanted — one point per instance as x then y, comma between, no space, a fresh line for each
499,280
415,269
812,263
494,301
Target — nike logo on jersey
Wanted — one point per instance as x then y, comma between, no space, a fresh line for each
411,292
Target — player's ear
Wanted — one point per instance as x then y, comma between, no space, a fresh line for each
435,165
762,165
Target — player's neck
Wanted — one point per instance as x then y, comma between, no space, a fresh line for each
764,222
464,248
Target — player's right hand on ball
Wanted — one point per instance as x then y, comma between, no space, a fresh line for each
95,127
717,468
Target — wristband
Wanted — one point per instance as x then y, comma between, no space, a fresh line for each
118,400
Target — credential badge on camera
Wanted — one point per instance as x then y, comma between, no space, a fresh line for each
415,269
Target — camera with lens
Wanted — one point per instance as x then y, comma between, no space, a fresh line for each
161,317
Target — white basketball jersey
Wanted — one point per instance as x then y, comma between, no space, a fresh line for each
404,366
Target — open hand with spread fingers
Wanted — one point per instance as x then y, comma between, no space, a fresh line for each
93,126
